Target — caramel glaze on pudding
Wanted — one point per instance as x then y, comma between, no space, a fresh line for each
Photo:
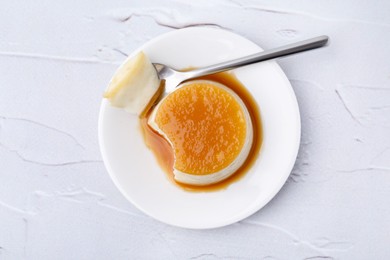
164,152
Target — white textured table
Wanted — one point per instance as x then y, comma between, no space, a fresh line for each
56,199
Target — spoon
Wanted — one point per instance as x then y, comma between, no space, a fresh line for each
173,77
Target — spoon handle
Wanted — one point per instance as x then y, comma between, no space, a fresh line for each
282,51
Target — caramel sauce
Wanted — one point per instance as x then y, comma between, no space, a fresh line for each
164,152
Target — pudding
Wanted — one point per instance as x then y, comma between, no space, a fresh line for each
205,135
208,128
134,86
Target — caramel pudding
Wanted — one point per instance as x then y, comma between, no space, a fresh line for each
164,153
209,129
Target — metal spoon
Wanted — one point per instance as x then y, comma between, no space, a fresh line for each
173,77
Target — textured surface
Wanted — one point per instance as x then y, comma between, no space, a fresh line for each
57,200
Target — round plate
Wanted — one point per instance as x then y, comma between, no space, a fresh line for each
135,171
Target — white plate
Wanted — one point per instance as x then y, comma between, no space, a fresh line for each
134,168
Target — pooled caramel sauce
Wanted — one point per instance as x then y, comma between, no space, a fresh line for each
164,152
